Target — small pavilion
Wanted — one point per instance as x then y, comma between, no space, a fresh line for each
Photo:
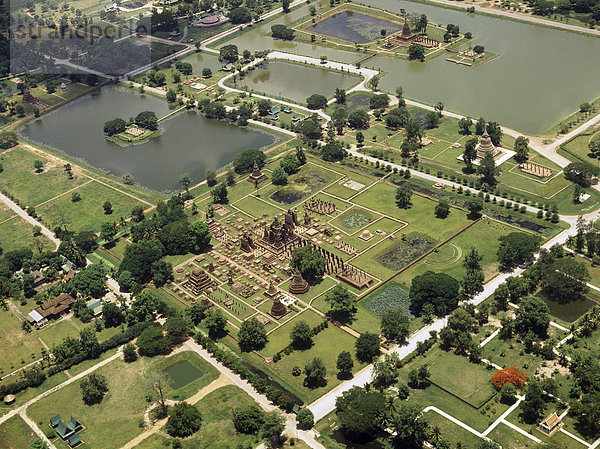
550,425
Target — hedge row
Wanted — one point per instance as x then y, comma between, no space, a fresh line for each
234,363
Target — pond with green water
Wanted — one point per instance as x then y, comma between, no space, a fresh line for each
190,142
540,76
569,312
273,78
182,373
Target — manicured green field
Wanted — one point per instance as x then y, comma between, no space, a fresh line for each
17,233
17,347
483,236
472,385
121,409
88,213
16,434
30,188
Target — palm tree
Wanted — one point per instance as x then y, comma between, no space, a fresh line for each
435,434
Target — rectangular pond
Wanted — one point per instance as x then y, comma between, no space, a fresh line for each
275,78
569,312
190,142
354,27
182,373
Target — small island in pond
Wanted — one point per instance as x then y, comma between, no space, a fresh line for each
137,130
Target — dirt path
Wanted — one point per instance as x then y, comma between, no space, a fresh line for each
221,381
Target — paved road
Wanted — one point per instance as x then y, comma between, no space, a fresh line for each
45,231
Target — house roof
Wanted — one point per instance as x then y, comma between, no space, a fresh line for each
34,315
55,420
551,421
74,440
56,306
64,430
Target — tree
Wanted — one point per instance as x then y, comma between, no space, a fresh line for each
316,101
305,418
38,443
248,419
474,206
315,373
581,173
93,388
219,193
345,363
403,196
300,156
86,241
386,370
129,353
112,315
177,329
457,333
301,335
565,279
360,138
199,236
215,322
240,15
438,289
508,394
495,133
359,413
533,315
341,304
308,262
290,163
395,325
380,101
340,96
38,165
516,248
309,128
488,170
333,152
171,96
533,405
210,176
114,126
442,209
244,161
464,125
470,153
147,119
280,31
184,420
587,412
359,119
108,208
273,424
439,108
279,176
522,149
509,375
367,347
432,120
416,53
473,280
152,342
252,335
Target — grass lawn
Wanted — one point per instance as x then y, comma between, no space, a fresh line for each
30,188
15,433
511,353
338,189
87,213
121,409
17,233
483,236
257,207
473,385
54,333
451,431
17,347
509,438
327,345
217,429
